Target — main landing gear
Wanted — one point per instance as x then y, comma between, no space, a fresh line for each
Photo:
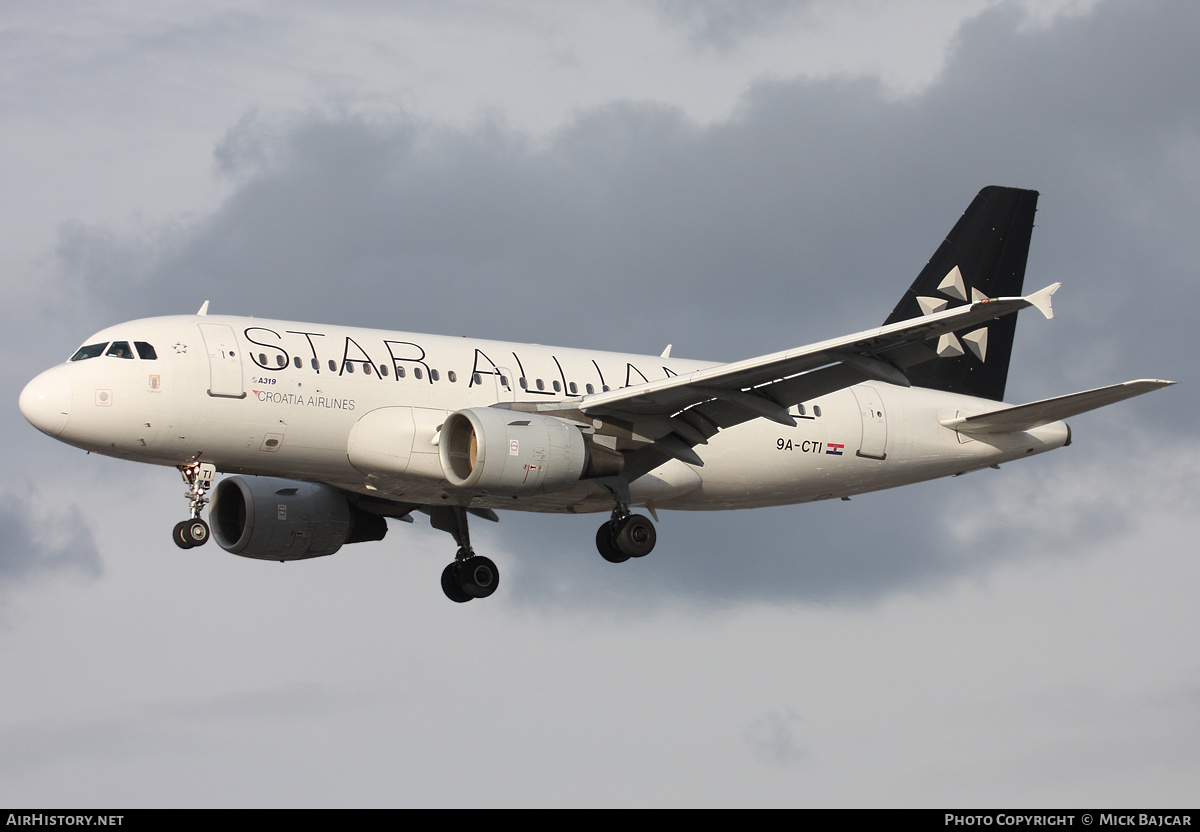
199,477
625,536
469,575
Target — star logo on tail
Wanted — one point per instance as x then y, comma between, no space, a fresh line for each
950,345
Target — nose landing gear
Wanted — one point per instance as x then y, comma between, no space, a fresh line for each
190,533
199,477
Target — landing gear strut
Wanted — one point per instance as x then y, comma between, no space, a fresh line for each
625,536
199,477
469,575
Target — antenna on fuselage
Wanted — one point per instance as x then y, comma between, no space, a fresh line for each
203,308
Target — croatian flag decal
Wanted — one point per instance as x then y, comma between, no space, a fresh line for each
833,448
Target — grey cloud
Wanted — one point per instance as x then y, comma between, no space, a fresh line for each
165,728
720,25
827,552
35,539
35,746
772,742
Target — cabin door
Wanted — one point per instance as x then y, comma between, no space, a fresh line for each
224,361
874,422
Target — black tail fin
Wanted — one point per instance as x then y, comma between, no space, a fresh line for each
984,256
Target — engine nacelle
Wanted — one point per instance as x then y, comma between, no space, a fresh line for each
495,449
274,519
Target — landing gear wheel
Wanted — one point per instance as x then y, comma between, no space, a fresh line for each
195,531
635,536
451,586
478,576
607,545
190,533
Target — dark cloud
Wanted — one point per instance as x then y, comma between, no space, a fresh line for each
803,216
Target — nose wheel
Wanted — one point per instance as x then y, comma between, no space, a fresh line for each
191,533
198,476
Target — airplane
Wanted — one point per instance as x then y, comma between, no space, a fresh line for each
324,432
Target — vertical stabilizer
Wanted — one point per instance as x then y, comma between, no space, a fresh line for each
983,257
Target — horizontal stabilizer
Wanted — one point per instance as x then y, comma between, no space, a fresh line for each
1035,414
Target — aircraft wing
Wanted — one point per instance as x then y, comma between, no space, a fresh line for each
677,413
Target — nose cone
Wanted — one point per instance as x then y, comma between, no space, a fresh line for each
46,402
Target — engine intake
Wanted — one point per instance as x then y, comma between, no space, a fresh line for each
494,449
275,519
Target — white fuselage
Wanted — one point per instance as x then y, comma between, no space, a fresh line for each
284,399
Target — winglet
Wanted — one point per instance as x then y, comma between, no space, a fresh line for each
667,352
1040,300
203,308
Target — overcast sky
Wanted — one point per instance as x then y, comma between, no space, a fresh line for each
732,178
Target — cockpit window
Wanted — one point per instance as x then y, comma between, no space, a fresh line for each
145,351
90,351
120,349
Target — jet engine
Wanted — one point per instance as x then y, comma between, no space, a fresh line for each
275,519
495,449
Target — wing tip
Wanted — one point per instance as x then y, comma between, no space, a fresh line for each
1040,300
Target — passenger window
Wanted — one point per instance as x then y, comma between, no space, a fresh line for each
451,376
349,367
145,351
299,364
816,410
557,386
316,365
590,389
120,349
399,372
90,351
332,366
574,389
383,370
281,361
416,372
521,381
541,385
433,375
476,379
800,410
